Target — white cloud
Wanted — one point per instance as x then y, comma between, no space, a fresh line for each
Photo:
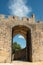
19,8
20,36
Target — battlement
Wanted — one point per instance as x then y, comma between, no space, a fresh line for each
16,18
7,17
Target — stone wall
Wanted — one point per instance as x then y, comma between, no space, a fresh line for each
6,26
5,43
37,46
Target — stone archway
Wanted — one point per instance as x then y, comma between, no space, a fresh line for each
26,32
31,30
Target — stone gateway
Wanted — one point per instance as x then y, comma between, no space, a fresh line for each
29,28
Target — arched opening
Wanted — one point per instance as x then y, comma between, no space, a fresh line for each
24,54
19,47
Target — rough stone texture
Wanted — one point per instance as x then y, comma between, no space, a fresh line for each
32,31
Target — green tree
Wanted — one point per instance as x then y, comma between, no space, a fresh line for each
15,47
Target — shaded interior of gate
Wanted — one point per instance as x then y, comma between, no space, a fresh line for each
26,32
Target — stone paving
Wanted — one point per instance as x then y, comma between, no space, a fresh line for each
22,63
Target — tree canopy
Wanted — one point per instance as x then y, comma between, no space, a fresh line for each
15,47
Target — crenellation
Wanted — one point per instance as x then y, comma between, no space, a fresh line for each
16,18
39,22
10,17
2,16
33,16
25,19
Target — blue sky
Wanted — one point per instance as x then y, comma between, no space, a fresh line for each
36,7
20,40
22,8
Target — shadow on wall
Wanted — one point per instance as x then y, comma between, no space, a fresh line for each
20,55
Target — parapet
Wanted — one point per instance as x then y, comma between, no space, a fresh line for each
1,16
30,20
25,19
13,17
16,18
39,21
33,16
